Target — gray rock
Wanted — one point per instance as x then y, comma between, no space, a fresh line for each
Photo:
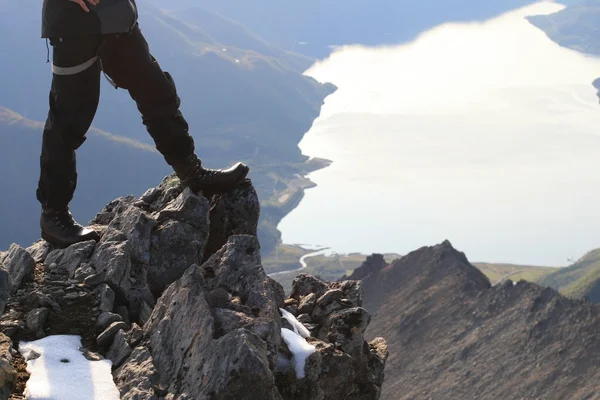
84,271
174,249
114,261
188,208
233,213
346,329
304,319
39,250
353,291
135,335
8,375
20,265
70,259
119,350
111,209
45,300
107,318
124,313
304,284
105,337
94,280
150,195
188,342
113,235
36,319
331,301
4,287
135,377
307,304
90,355
137,226
107,297
145,313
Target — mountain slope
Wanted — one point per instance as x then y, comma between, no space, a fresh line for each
453,336
108,167
245,98
575,27
313,27
582,279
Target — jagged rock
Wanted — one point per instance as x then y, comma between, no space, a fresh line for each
307,304
39,250
304,319
175,247
119,350
305,284
107,297
95,279
135,335
84,271
331,301
145,313
107,214
108,334
90,355
137,227
20,265
346,329
135,378
291,306
8,375
124,313
4,287
113,259
373,264
186,343
36,319
70,259
107,318
179,240
233,213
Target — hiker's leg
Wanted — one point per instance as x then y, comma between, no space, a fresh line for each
127,60
73,102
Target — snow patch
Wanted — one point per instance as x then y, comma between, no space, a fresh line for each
60,371
299,329
299,347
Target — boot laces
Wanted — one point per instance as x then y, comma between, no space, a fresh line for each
64,220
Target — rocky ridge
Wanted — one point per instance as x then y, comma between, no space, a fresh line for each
175,295
451,335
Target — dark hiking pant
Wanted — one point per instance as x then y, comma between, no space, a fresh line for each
77,66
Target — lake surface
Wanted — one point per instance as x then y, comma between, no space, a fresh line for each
486,134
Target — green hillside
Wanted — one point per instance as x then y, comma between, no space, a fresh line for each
575,27
580,279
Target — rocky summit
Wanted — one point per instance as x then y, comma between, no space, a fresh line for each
452,335
175,295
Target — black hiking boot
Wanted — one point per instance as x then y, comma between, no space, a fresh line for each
60,229
211,181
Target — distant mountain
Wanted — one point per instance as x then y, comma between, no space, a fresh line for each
582,279
575,27
451,335
245,98
312,27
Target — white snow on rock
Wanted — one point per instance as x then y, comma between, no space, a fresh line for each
59,371
299,329
299,347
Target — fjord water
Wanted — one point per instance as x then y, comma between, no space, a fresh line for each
484,133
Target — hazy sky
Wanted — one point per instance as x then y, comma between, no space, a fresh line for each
482,133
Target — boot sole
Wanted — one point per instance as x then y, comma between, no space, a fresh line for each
62,244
